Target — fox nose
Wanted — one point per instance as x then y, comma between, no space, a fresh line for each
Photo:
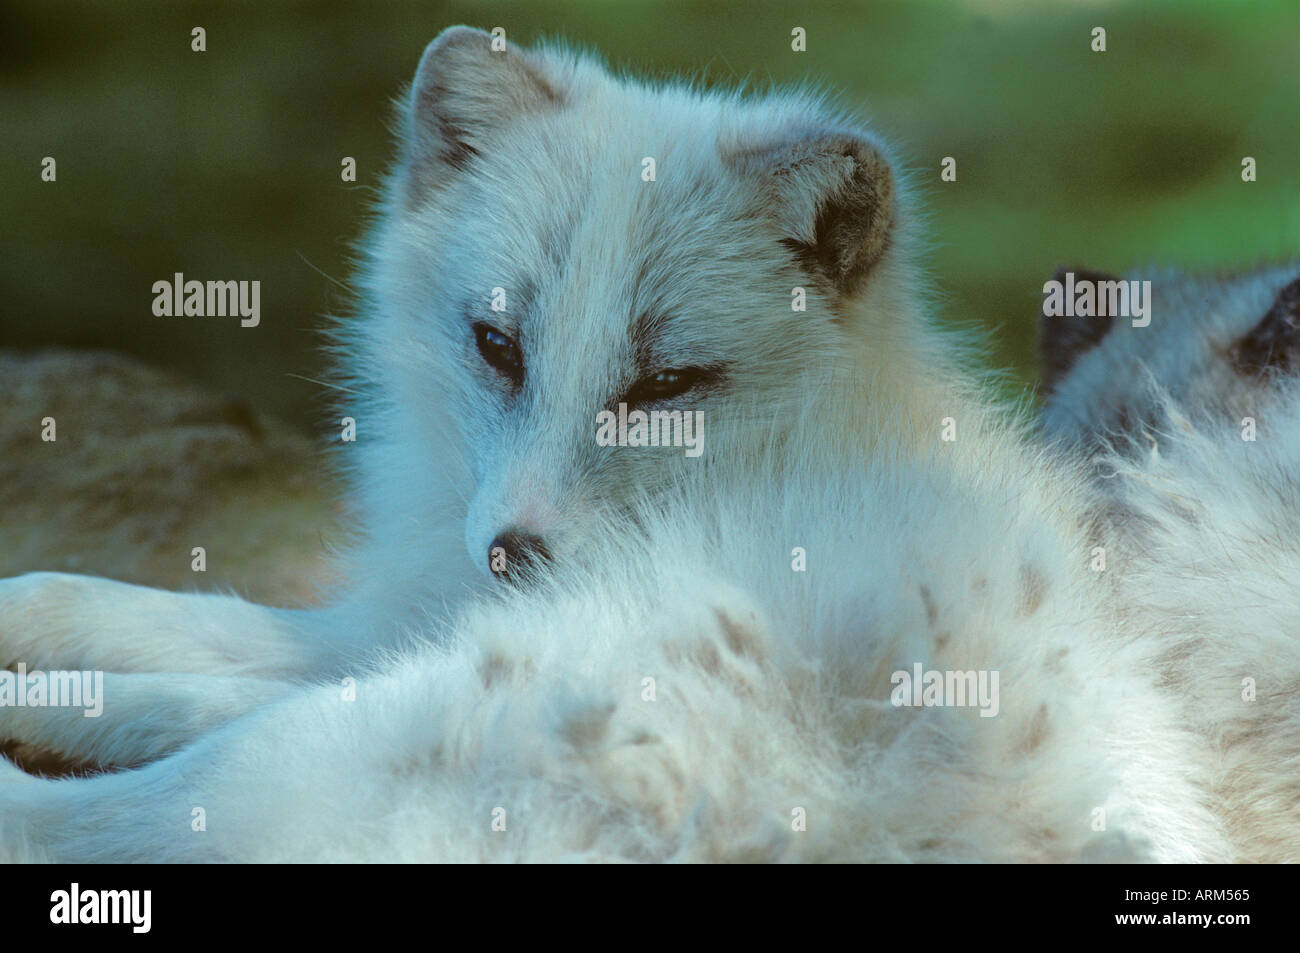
512,550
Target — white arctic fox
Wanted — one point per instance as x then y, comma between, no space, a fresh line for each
1194,423
864,625
523,186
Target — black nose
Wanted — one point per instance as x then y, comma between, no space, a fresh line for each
512,550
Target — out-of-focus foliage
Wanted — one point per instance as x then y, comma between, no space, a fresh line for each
225,164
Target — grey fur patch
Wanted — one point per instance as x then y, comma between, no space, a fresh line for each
1033,589
931,610
1037,731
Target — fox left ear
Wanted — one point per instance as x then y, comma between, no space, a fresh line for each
1274,343
833,194
465,94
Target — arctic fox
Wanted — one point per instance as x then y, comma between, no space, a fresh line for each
1194,426
703,658
553,243
1224,345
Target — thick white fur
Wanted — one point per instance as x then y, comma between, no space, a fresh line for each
771,686
1202,527
771,693
1210,576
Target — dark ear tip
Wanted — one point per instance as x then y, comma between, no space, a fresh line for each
832,189
1274,342
1288,299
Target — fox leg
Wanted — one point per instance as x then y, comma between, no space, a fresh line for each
61,621
140,717
229,795
128,816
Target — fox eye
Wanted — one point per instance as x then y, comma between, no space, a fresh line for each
666,385
500,352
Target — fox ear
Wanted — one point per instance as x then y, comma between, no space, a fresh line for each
1274,343
833,195
1063,340
464,92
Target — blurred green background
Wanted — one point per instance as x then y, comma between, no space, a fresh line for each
225,164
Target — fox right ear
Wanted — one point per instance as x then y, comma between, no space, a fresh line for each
833,194
1063,340
1274,343
464,93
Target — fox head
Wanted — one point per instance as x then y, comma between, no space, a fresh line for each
557,243
1218,345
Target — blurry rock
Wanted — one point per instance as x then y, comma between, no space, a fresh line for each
146,466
